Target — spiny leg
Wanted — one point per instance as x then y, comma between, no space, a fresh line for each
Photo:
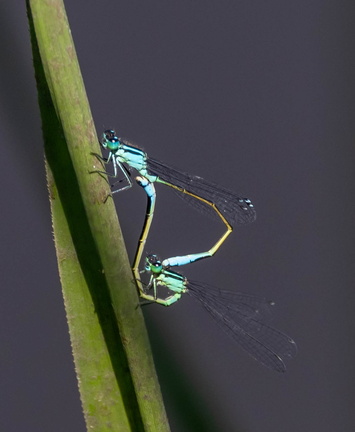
125,173
115,163
167,301
153,298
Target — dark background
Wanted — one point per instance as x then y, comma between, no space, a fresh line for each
257,96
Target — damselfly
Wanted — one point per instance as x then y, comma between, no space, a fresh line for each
207,197
243,317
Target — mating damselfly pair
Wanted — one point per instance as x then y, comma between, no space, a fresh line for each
241,316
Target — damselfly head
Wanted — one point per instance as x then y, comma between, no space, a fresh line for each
153,264
110,140
109,134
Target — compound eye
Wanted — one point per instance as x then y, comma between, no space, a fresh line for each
110,134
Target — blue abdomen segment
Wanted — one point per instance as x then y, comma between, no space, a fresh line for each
183,260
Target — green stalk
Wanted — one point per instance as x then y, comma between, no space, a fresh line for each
117,379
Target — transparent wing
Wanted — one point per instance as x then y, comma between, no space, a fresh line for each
243,318
235,208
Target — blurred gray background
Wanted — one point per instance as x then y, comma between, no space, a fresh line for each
257,96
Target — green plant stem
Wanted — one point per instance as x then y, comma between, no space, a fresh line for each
117,379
